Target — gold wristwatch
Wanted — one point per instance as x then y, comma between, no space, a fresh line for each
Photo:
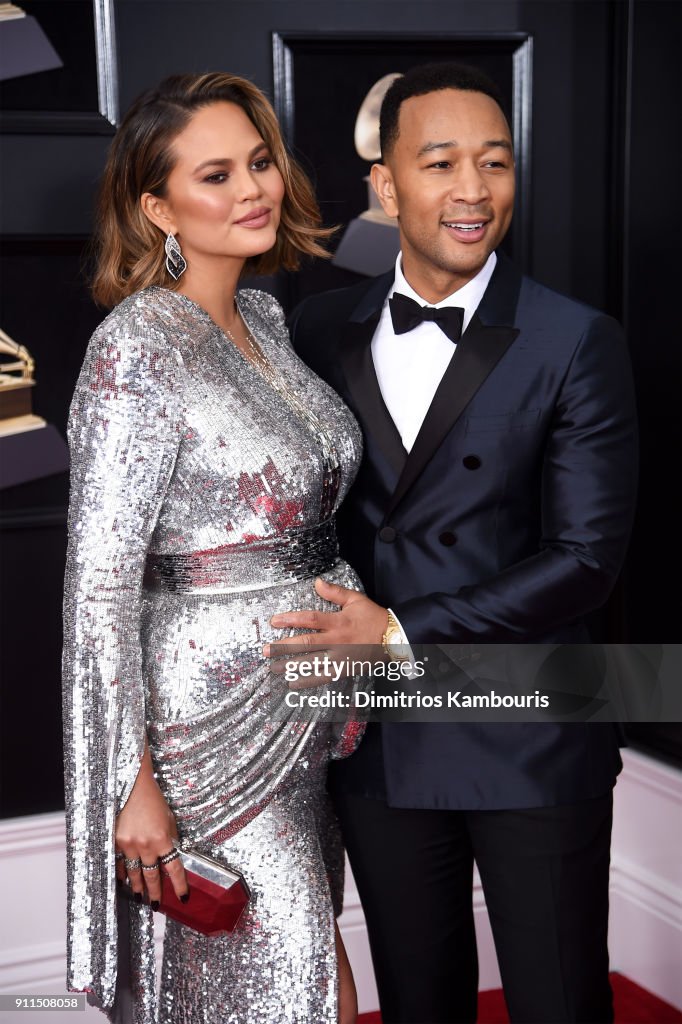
393,641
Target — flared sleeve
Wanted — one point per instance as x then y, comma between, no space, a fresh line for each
124,434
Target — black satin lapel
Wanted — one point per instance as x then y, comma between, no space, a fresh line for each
361,379
498,305
477,354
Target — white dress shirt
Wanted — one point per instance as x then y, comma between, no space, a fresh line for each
409,366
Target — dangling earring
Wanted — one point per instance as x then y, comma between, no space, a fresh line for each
176,264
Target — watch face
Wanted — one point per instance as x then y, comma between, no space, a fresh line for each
394,640
395,645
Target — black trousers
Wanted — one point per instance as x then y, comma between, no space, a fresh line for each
545,875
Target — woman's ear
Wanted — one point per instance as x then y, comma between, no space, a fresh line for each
156,210
382,183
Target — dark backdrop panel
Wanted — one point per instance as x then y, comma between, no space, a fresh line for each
31,573
652,314
47,185
597,232
71,30
573,75
45,304
653,317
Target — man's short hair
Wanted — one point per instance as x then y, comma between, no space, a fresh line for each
423,79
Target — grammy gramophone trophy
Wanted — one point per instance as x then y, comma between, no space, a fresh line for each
16,383
370,243
30,448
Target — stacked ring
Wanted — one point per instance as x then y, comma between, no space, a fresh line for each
170,856
132,863
120,856
150,867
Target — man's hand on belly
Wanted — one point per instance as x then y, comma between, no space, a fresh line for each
359,622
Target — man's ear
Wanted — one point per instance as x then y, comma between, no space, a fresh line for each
156,210
382,183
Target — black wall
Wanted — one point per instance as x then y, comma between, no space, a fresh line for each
605,224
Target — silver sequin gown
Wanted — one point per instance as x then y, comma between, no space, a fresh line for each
202,502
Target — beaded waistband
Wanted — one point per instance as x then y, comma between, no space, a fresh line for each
237,568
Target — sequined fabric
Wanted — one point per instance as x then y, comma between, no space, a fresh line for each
203,493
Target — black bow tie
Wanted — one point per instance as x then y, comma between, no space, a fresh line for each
407,314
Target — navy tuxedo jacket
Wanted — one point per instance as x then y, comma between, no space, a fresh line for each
507,522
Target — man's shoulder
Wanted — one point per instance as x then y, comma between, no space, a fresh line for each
543,304
341,302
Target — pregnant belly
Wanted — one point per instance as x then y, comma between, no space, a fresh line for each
219,732
199,649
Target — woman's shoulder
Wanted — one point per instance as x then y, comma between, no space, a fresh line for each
152,313
261,305
154,324
134,342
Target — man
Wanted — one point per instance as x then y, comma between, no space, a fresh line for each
493,505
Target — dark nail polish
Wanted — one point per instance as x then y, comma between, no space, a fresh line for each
184,898
138,897
155,904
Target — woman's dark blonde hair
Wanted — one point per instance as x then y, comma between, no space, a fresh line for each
129,249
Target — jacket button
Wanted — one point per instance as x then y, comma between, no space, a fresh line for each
471,462
447,538
387,534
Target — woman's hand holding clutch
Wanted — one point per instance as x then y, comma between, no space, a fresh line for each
145,840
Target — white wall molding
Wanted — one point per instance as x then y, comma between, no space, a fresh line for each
29,968
646,876
652,894
645,771
28,956
39,833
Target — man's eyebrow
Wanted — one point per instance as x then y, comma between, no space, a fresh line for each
429,147
498,144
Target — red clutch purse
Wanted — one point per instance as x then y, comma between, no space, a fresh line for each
218,895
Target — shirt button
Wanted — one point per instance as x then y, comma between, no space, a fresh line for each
448,538
387,534
471,462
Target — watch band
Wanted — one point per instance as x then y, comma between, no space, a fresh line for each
393,638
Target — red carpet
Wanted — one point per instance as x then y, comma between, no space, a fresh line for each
634,1005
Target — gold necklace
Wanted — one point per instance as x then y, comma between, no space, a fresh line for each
255,356
302,412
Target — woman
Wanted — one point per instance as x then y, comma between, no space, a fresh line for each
207,463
